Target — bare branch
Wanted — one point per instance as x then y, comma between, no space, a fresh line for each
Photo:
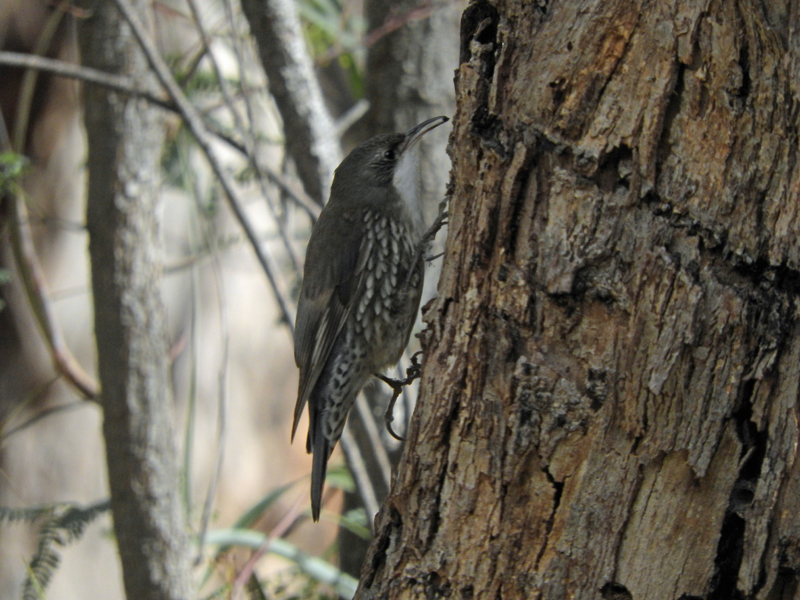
42,414
378,456
125,85
361,474
36,289
349,118
282,528
35,285
392,23
119,83
222,420
310,132
251,141
198,129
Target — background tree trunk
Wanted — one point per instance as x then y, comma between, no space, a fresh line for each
608,406
408,79
125,137
311,138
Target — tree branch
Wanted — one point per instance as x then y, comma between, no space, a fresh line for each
35,287
119,83
310,132
125,85
198,129
246,133
36,290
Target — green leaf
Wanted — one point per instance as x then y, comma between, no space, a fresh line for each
259,508
339,477
318,569
355,521
64,525
13,167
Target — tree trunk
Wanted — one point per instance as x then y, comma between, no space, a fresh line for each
608,405
125,137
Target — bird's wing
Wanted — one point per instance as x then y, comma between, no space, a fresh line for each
331,279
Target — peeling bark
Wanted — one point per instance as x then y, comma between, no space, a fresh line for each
608,404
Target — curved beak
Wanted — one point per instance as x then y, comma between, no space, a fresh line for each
416,132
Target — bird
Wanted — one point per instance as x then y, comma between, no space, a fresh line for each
361,288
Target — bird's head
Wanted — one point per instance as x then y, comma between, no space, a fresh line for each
383,161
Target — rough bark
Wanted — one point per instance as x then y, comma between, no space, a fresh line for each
608,405
125,137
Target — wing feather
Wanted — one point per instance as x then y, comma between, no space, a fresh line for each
329,320
325,303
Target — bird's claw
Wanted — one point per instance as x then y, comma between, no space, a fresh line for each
412,372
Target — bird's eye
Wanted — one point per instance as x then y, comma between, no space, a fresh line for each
389,154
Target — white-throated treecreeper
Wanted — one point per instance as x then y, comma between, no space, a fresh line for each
361,286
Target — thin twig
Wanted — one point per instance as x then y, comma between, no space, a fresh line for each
39,416
33,280
29,400
29,78
358,468
198,129
118,83
124,85
22,239
349,118
222,411
311,140
42,414
191,398
278,531
205,41
392,23
251,141
380,457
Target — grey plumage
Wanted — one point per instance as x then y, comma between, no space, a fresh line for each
361,286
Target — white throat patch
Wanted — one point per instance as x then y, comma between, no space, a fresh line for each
406,179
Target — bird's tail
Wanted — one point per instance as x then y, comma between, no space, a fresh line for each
322,451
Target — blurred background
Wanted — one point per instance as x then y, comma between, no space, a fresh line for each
376,66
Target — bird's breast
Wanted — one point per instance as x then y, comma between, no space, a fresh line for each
390,286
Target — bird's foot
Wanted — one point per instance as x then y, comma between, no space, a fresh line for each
412,372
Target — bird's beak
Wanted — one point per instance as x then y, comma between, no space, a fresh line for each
416,132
